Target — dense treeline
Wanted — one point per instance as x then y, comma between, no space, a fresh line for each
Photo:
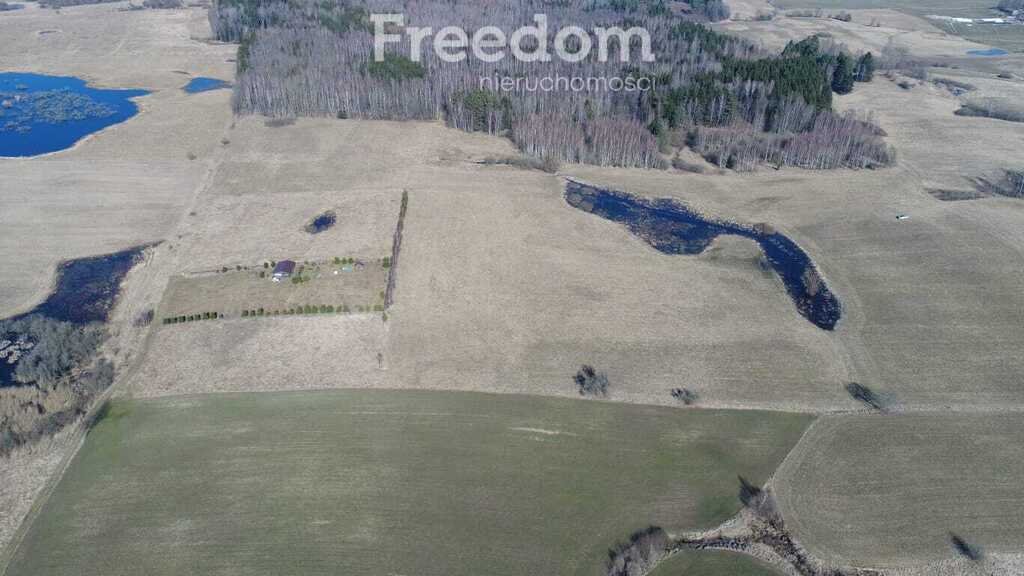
315,59
54,381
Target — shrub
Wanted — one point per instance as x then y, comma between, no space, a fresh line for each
640,555
590,382
864,394
684,395
144,318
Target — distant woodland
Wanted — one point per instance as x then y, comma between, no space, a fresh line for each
722,96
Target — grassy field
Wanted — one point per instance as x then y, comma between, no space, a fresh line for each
359,288
390,482
713,563
885,491
1004,36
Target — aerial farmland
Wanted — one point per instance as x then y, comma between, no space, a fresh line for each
270,305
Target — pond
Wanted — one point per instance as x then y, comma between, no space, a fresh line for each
85,292
321,222
204,84
988,52
41,114
672,228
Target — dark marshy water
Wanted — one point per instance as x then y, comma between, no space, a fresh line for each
203,84
41,114
86,287
988,52
322,222
85,293
671,228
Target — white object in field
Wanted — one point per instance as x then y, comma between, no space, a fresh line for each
902,216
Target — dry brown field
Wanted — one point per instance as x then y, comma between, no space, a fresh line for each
917,35
126,185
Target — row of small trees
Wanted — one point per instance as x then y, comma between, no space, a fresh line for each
192,317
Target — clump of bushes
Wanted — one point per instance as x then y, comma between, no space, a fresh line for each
58,347
54,381
685,395
590,382
998,108
638,556
864,394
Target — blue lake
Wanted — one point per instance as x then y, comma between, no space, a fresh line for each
988,52
41,114
85,292
203,84
671,228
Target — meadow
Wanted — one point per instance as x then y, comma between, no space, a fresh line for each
1008,37
390,482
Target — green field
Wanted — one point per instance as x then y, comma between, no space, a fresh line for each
881,491
713,563
1004,36
390,483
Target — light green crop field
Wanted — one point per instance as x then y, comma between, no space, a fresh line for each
712,563
390,483
886,491
1009,37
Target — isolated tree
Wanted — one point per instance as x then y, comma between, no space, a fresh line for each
866,67
590,382
842,77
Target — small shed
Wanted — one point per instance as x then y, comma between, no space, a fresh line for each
283,269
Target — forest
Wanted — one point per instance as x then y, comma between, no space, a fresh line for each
726,98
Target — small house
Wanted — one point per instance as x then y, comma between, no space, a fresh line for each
283,269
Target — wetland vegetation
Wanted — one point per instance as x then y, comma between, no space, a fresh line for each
672,228
49,369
